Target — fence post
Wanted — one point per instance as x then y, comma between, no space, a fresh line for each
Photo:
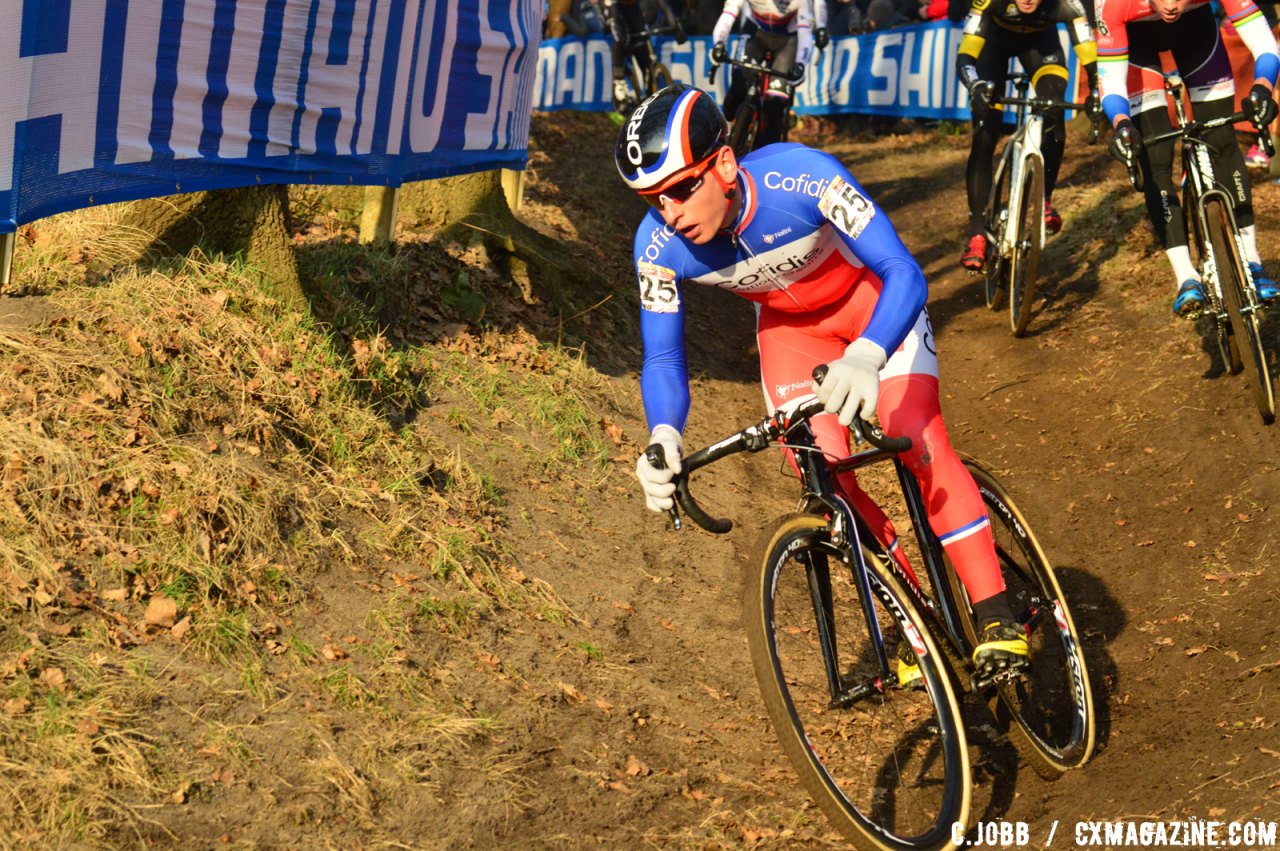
378,217
7,241
513,188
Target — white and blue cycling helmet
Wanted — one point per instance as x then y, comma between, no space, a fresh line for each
669,132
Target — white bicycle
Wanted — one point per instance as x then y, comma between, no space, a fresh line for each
1015,209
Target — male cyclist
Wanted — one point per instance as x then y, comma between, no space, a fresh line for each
790,229
787,30
1131,35
995,32
626,19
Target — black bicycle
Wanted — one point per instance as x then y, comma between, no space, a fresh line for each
643,73
1232,301
749,117
1015,208
829,615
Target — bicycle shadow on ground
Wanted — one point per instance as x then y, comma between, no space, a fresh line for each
1099,620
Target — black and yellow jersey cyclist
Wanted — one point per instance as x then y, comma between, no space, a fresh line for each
994,32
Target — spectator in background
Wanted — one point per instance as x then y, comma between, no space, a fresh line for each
934,10
585,18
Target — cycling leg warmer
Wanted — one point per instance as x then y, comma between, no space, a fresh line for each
1054,138
1156,161
909,407
977,174
1229,170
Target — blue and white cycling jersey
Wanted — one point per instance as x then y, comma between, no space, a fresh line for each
807,234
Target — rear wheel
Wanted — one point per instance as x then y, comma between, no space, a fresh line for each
887,764
1024,265
1239,304
997,272
1048,714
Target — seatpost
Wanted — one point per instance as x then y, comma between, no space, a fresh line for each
1022,85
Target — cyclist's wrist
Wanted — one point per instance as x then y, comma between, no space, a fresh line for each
665,433
867,351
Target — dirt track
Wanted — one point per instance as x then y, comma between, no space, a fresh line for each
1146,471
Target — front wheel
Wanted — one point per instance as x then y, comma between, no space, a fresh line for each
624,102
1227,348
887,764
1024,263
743,134
659,77
1047,714
1240,305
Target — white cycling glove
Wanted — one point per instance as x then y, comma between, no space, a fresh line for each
804,46
657,483
853,381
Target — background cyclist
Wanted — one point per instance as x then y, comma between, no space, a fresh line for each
994,33
788,30
790,229
1131,34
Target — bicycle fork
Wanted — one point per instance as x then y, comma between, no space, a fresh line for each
1012,239
845,539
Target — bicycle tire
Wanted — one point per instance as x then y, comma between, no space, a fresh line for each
1024,263
1048,717
996,284
743,134
1227,350
635,79
1238,303
659,77
890,770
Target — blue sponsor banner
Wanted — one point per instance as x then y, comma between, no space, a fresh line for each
110,100
906,71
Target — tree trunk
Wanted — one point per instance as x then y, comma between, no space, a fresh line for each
472,209
250,221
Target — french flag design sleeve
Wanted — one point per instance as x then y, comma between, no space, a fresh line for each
664,378
879,248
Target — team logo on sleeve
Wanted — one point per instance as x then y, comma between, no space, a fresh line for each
846,208
658,290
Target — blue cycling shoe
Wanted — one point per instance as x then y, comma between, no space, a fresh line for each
1265,286
1190,299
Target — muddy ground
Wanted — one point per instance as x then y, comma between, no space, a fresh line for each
1145,468
625,713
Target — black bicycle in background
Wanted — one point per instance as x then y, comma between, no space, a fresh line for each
1232,301
829,615
750,116
643,73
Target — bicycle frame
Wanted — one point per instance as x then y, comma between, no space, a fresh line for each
821,495
757,76
1022,146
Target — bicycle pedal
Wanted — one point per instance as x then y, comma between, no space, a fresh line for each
1001,675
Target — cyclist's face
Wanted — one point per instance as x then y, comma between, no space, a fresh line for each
705,211
1169,10
1026,7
